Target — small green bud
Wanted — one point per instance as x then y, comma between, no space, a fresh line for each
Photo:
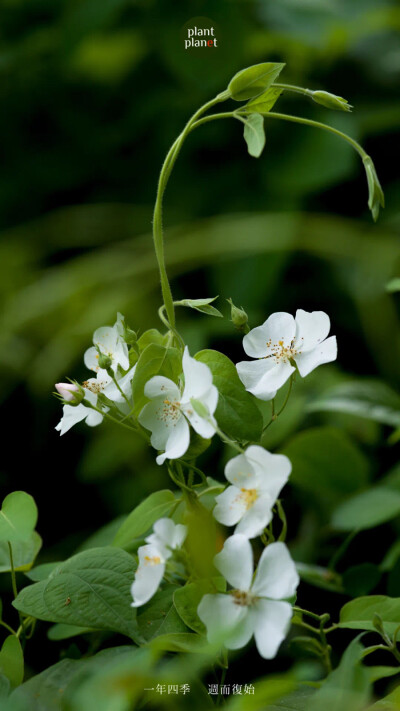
105,361
130,337
239,317
199,408
376,198
331,101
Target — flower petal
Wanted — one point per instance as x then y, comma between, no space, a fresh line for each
148,575
242,632
276,576
94,418
272,622
235,562
240,471
221,615
205,428
256,518
230,506
251,373
275,375
325,352
177,442
151,417
167,534
159,386
106,338
311,328
260,341
91,360
72,414
272,470
198,377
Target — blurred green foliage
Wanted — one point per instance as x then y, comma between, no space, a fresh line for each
93,92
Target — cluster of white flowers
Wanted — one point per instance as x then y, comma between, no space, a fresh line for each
256,477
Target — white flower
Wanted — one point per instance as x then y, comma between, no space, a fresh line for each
68,391
257,477
110,343
258,608
280,340
166,538
72,414
168,414
106,385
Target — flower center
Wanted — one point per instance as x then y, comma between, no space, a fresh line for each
242,598
170,411
152,560
249,496
282,352
96,387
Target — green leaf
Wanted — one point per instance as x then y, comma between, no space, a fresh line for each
180,642
372,400
187,599
359,614
263,104
272,693
254,135
237,414
41,572
380,672
320,577
367,509
64,631
45,691
12,660
143,516
388,703
91,589
326,463
24,553
252,81
18,517
347,687
202,305
393,285
361,579
151,337
154,360
159,616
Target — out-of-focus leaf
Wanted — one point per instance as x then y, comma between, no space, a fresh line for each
42,572
143,516
367,509
361,579
388,703
271,693
64,631
326,463
370,399
347,687
359,614
320,577
393,285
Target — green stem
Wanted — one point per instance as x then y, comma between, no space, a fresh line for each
169,326
10,629
294,89
282,516
226,440
341,550
157,217
318,124
275,415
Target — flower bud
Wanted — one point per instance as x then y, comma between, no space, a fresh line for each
130,337
239,318
104,361
376,198
70,392
331,101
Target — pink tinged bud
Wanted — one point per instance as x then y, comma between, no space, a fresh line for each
69,391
